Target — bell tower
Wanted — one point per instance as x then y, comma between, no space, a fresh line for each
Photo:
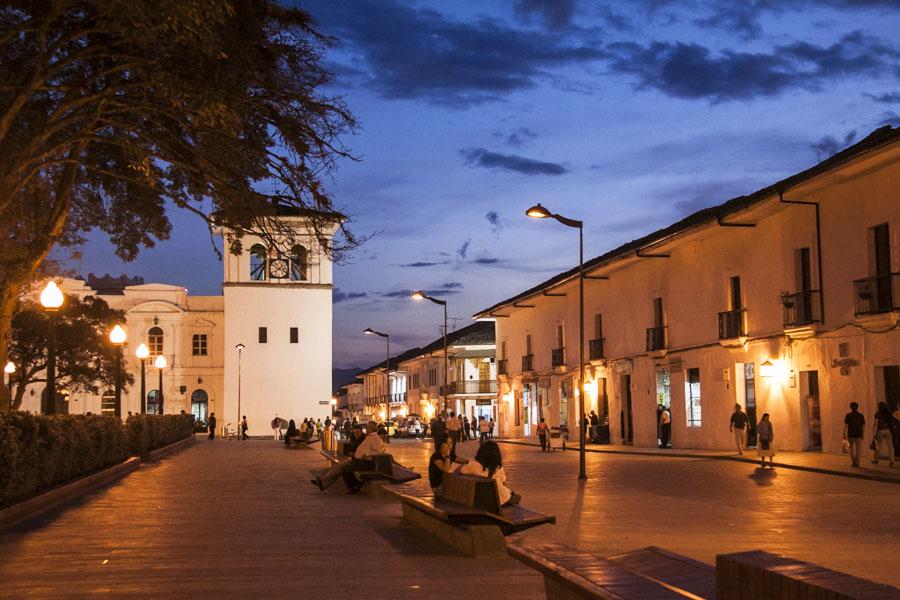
278,329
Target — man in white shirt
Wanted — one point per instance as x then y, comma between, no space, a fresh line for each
453,428
484,428
371,445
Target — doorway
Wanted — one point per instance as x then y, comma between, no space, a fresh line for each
663,402
750,402
199,406
812,423
625,416
529,408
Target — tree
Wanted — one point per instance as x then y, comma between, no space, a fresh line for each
114,111
85,359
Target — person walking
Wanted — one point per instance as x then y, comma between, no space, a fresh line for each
543,432
665,427
882,435
467,428
854,426
244,428
595,427
764,437
484,430
491,431
212,426
896,415
453,432
738,426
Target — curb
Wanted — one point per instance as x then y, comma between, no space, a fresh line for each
820,470
76,488
65,493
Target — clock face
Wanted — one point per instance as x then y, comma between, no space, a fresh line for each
278,268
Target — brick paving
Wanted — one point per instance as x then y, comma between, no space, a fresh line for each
231,519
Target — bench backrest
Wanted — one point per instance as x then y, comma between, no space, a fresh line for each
472,491
383,463
770,575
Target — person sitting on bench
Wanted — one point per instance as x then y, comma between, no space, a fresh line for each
362,457
292,433
439,463
489,463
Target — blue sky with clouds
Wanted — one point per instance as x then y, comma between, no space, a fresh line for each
628,115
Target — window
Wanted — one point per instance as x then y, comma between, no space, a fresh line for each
560,337
598,326
258,256
503,350
295,335
432,377
735,285
155,341
692,397
198,345
263,335
528,344
299,263
658,317
152,402
108,403
414,381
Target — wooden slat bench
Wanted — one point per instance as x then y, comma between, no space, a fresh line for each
570,574
759,574
300,443
467,515
386,470
683,572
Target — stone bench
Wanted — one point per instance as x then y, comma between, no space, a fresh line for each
759,574
648,574
467,515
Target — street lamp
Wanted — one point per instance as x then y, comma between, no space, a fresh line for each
387,362
117,336
9,369
142,353
240,349
420,295
539,212
51,299
160,364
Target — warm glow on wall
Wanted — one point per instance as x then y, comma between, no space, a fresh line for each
775,370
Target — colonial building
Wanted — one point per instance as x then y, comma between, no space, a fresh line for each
786,301
261,349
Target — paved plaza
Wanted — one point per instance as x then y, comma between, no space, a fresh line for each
231,519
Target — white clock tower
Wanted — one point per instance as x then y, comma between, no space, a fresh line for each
277,330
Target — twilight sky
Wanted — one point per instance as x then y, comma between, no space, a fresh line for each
628,115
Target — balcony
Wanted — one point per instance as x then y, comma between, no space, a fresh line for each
528,362
731,324
801,308
595,349
656,338
502,367
470,387
877,295
397,398
558,357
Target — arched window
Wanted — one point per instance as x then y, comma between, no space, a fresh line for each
199,404
299,263
258,255
155,341
152,402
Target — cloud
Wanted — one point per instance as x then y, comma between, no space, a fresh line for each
886,98
493,217
692,71
412,53
520,136
889,118
556,14
829,146
425,263
511,162
454,287
339,296
464,249
486,260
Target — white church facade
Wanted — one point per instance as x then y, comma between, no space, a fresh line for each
263,348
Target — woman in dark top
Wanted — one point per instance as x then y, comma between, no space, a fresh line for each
439,463
291,432
883,425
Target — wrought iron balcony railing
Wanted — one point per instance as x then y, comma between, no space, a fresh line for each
656,338
801,308
472,386
558,357
877,294
595,349
731,324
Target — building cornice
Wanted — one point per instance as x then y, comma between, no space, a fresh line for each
287,286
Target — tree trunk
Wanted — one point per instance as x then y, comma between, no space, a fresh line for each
7,306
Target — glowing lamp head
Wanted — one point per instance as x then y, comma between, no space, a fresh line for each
10,368
767,369
419,295
160,362
369,331
142,352
240,347
538,212
333,402
51,296
117,335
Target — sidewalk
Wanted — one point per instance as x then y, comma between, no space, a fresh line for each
828,464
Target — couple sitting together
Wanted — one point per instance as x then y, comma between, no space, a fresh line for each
488,463
361,451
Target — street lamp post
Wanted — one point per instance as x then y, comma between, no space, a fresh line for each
51,299
420,295
240,349
387,365
539,212
9,369
117,337
160,364
142,353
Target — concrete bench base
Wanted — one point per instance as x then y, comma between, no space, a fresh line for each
480,541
